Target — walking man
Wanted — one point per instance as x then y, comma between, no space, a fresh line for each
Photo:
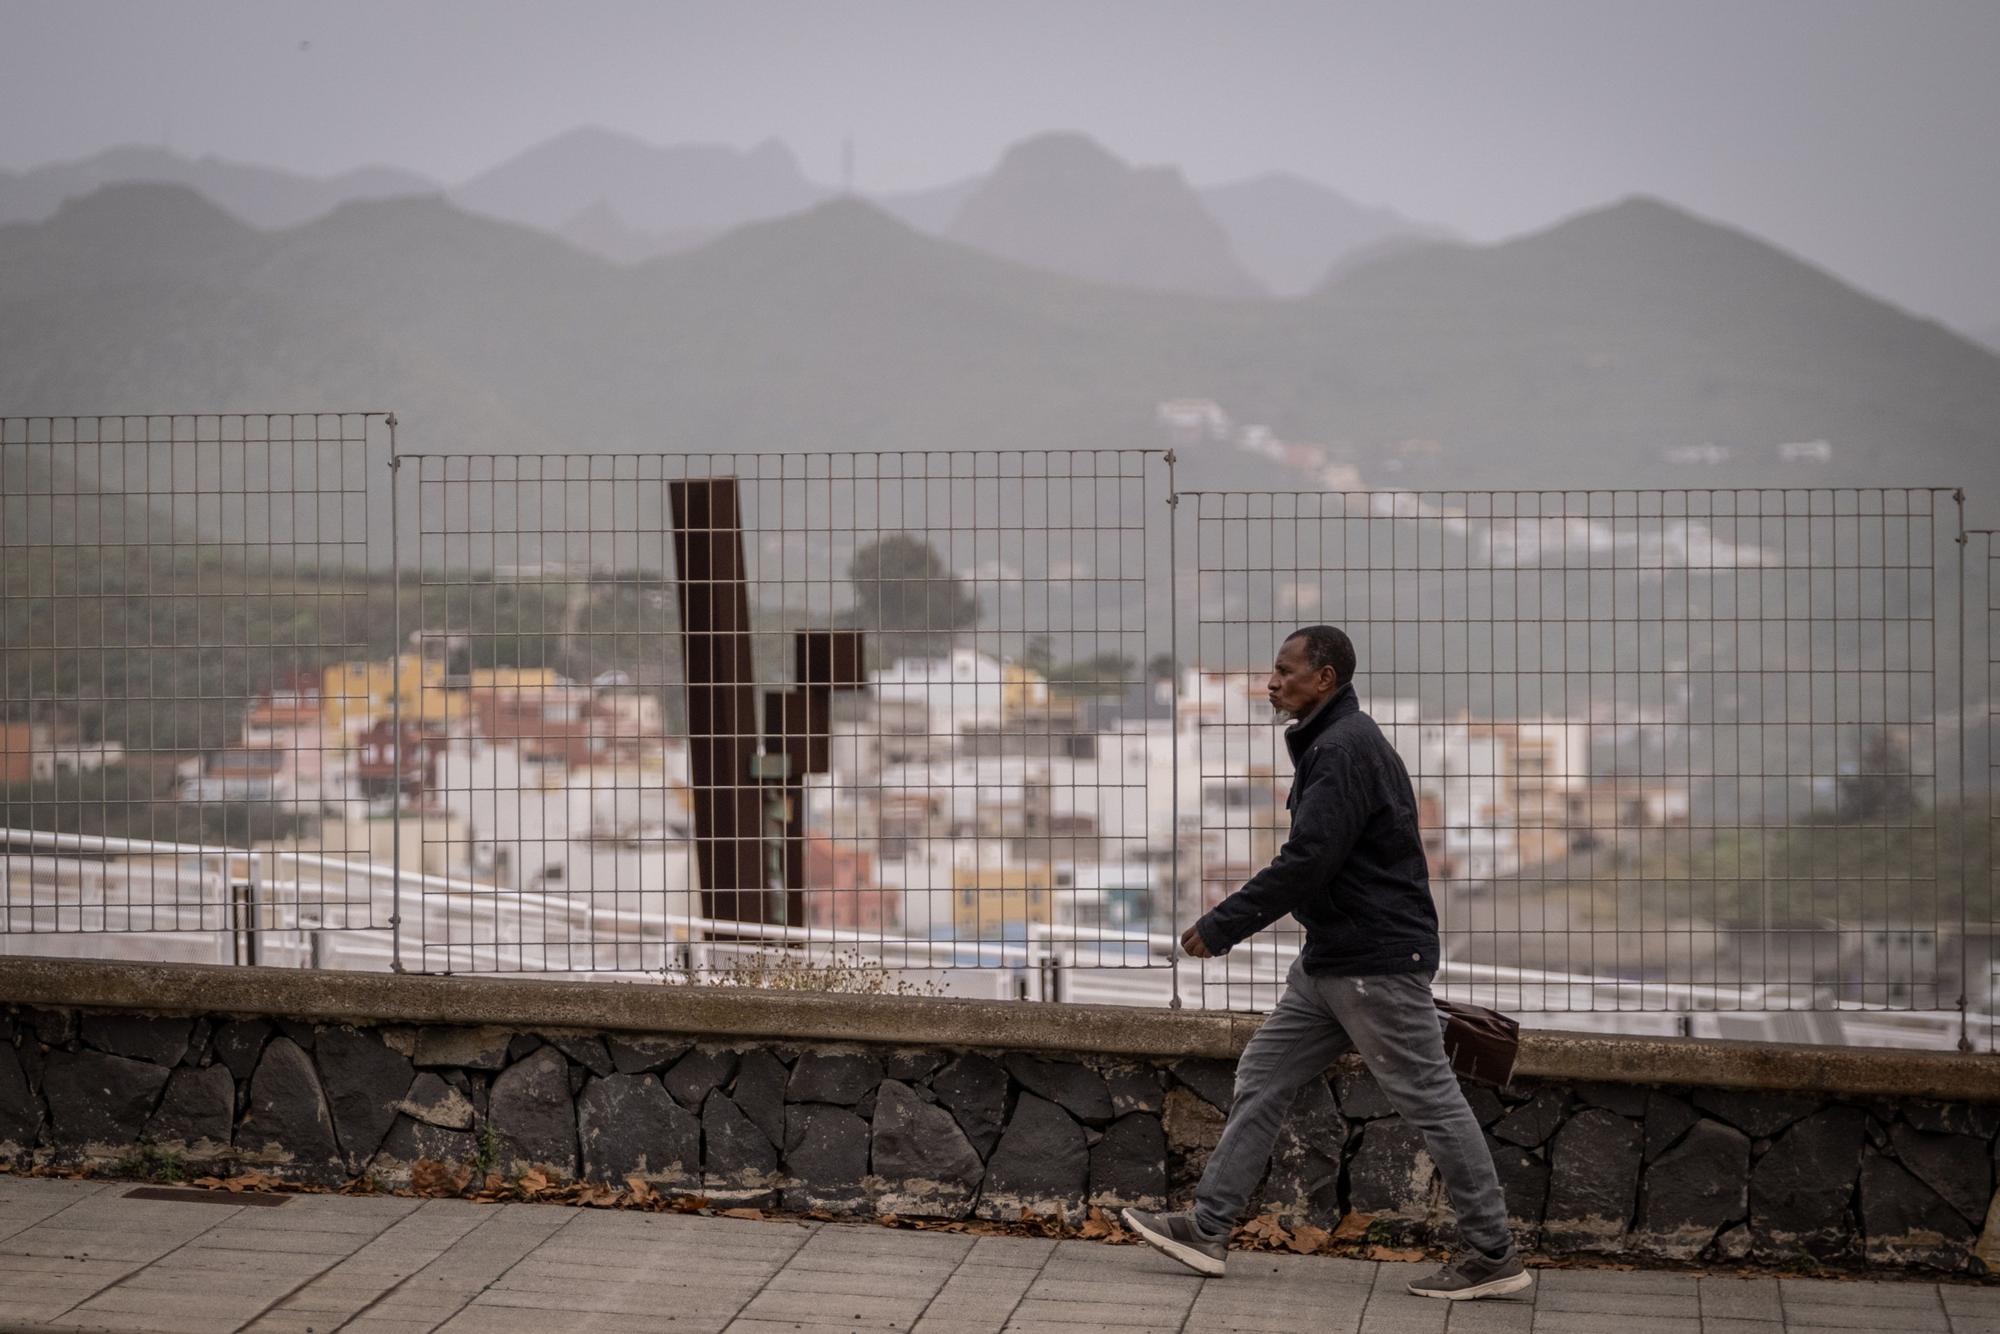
1352,872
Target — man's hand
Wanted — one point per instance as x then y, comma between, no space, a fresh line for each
1193,945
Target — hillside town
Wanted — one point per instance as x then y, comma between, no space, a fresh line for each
963,800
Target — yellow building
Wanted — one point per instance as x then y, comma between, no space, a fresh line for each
1021,689
986,900
515,680
354,695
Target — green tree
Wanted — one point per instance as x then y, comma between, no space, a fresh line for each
1038,656
1880,788
904,592
1100,674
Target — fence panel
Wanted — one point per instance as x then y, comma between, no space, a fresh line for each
1675,750
898,706
272,693
174,589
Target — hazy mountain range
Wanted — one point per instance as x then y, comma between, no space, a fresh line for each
1058,202
1579,356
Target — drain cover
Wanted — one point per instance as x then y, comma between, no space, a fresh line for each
190,1195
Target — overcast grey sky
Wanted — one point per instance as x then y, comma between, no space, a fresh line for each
1858,133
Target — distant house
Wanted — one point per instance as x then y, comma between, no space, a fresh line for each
962,687
840,888
1805,451
1628,803
39,752
24,754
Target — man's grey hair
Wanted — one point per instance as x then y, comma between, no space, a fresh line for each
1327,646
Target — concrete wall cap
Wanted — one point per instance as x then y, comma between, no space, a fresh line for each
795,1016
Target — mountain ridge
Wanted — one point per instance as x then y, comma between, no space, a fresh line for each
1540,361
1064,203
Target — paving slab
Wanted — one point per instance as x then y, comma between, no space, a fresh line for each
80,1256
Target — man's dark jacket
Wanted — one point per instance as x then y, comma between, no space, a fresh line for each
1352,872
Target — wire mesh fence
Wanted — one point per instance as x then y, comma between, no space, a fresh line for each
972,720
894,704
175,591
1983,566
1677,750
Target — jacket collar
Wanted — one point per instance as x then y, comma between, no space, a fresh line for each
1307,729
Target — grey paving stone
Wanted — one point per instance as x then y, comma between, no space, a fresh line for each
1615,1301
169,1281
291,1322
768,1305
1255,1318
1310,1270
860,1281
887,1266
484,1319
40,1266
1901,1317
266,1241
1491,1317
215,1303
1885,1292
1587,1322
131,1322
1029,1252
1047,1288
1740,1299
633,1298
1100,1315
1428,1318
1960,1300
373,1324
1614,1280
1729,1325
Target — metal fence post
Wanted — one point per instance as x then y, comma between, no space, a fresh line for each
1174,729
1964,840
396,706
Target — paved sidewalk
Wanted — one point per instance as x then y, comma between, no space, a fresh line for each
82,1255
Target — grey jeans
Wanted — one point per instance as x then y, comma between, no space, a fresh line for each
1391,1021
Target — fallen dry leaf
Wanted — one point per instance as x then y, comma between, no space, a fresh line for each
1101,1226
533,1182
428,1176
1353,1227
1264,1232
1393,1253
755,1215
639,1193
242,1181
1306,1239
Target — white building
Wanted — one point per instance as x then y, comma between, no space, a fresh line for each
965,686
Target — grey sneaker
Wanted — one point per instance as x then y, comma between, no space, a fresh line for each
1474,1275
1177,1235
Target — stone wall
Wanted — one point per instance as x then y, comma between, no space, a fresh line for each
949,1131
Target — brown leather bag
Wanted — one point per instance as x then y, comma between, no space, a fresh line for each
1482,1044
